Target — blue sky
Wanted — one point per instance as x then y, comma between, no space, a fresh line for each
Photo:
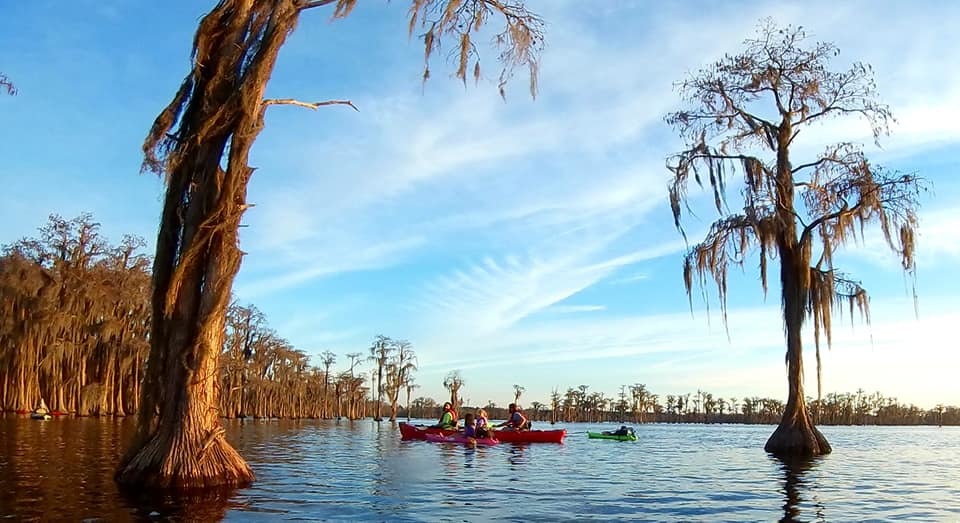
521,242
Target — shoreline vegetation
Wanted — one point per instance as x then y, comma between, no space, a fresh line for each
75,326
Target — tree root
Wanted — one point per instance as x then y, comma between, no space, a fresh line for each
164,463
797,438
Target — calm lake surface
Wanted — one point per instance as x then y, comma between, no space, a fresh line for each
360,471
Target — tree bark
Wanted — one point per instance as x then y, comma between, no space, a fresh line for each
180,443
796,435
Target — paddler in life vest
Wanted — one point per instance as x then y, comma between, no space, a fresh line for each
42,409
469,426
516,421
448,420
482,426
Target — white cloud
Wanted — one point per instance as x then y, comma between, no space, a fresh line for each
492,295
304,262
567,309
633,278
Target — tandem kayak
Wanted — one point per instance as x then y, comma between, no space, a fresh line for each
408,431
618,437
459,438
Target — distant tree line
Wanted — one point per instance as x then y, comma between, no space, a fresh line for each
74,318
636,404
74,323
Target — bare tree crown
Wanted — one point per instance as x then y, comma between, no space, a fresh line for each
745,113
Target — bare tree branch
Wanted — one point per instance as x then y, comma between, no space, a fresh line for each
309,105
7,85
817,163
315,3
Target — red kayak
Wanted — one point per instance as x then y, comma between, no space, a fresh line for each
408,431
460,438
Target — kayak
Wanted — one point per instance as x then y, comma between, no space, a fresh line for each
601,435
35,415
408,431
459,438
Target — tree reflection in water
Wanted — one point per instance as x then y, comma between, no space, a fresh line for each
798,488
209,505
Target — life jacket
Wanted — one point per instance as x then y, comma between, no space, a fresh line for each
453,416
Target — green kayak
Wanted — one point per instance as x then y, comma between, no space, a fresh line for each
618,437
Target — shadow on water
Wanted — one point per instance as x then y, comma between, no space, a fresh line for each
516,455
797,488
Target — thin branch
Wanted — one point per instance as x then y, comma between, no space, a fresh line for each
799,168
308,105
831,109
7,85
711,156
315,3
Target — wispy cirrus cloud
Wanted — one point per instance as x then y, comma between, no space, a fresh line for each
492,295
633,278
569,309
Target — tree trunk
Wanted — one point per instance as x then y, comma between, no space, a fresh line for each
324,410
180,443
118,409
379,390
135,396
796,435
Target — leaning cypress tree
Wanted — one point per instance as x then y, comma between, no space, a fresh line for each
200,143
748,113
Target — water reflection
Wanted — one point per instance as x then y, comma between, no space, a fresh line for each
198,506
797,486
517,454
361,471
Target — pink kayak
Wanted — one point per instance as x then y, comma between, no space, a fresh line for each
457,438
408,431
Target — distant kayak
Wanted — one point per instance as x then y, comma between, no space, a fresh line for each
618,437
37,415
459,438
408,431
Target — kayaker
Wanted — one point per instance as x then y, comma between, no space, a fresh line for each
42,409
448,419
516,421
469,426
483,428
622,431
